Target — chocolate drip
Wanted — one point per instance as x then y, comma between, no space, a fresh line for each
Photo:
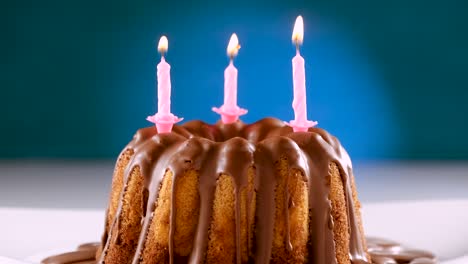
317,154
231,149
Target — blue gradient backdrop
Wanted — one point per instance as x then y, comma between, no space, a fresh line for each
390,80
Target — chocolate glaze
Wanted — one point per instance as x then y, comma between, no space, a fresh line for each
382,251
231,149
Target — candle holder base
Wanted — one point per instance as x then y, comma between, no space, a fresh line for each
164,122
229,116
301,126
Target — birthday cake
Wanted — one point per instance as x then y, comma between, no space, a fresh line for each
231,192
236,193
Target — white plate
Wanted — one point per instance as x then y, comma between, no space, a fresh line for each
437,226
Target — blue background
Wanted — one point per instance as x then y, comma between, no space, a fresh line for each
77,78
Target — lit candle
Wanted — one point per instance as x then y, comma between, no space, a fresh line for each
300,122
164,79
164,119
230,111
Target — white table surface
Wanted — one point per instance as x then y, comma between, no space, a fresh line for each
438,226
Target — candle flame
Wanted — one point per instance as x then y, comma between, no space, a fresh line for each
163,44
233,46
298,31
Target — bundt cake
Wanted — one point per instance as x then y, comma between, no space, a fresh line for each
233,193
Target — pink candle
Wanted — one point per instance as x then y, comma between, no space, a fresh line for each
230,87
230,111
300,122
299,102
164,87
164,119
